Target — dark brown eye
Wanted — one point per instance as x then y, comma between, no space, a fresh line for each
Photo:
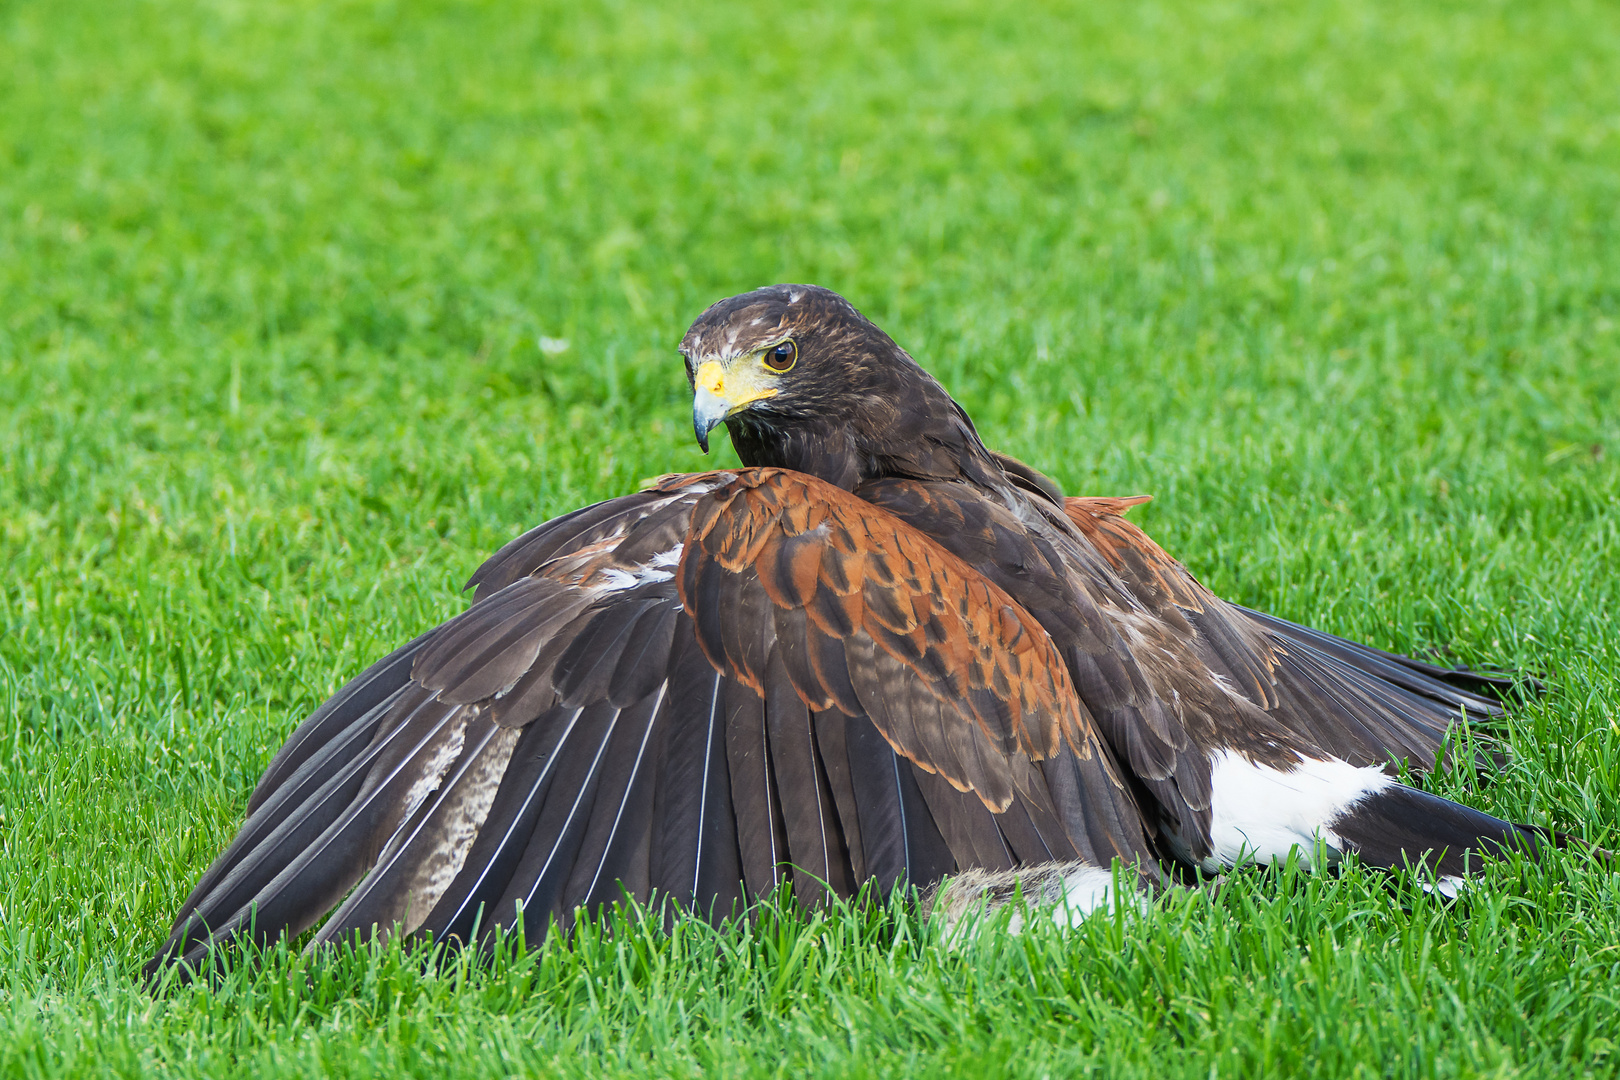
780,358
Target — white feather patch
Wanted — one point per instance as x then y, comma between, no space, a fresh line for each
1261,814
1449,886
433,765
460,828
651,572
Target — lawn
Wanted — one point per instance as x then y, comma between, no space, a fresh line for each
306,307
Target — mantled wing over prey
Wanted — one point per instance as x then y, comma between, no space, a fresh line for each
879,653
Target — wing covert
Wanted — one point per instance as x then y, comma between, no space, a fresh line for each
872,616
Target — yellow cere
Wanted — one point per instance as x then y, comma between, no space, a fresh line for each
741,385
712,377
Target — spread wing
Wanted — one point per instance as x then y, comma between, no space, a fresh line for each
692,693
1171,673
481,765
1360,704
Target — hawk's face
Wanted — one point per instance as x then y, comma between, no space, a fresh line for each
780,354
739,365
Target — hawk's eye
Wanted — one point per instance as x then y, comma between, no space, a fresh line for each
781,357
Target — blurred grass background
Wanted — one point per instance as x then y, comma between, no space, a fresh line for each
1338,282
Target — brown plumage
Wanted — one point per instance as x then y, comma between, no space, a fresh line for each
879,652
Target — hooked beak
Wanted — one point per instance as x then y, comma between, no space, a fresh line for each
708,411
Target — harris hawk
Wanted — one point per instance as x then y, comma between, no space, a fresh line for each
879,652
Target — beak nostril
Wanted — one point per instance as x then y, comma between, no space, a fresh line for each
711,377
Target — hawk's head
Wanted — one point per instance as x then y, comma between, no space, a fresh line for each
787,356
805,382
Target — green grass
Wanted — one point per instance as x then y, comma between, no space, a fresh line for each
1339,283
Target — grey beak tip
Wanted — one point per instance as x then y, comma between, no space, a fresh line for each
708,413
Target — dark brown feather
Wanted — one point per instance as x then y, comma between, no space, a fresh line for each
560,829
694,859
761,835
832,747
815,841
613,858
900,841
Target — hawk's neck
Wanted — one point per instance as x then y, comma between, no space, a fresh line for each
914,442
